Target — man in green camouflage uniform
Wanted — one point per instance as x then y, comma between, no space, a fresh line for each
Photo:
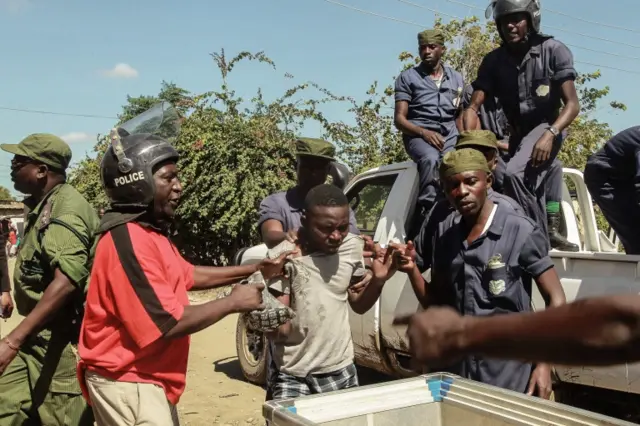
38,384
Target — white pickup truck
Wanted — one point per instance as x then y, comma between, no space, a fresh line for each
384,203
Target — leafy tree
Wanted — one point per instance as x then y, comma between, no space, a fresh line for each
233,157
180,98
5,194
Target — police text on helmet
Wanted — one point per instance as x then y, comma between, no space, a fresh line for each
130,178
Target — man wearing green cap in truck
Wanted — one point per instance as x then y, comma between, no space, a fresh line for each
427,108
38,382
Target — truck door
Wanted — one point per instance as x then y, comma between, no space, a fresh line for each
381,202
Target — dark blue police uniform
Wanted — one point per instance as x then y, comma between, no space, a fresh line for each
490,276
433,108
423,242
530,95
612,176
493,118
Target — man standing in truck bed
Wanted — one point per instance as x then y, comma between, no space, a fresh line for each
427,107
531,74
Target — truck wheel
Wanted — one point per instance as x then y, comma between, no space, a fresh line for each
251,347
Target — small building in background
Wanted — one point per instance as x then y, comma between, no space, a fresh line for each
15,212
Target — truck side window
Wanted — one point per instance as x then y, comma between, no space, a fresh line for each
367,199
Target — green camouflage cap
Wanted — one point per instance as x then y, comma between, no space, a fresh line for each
477,138
319,148
463,160
43,147
435,36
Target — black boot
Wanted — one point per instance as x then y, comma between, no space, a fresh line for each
555,238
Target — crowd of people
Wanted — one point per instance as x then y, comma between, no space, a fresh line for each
107,319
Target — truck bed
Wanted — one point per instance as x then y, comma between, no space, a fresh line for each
428,400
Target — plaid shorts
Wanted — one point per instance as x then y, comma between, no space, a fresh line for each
286,386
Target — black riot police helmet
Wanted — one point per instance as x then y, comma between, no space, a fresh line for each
128,165
502,8
340,174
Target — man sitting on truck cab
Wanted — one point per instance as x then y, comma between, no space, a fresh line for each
482,260
427,108
314,351
491,117
281,213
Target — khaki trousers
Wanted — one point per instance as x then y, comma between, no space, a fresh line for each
117,403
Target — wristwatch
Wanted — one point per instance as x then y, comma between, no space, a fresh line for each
553,131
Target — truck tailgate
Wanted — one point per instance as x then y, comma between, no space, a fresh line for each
428,400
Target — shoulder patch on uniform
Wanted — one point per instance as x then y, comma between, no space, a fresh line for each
45,215
497,286
542,90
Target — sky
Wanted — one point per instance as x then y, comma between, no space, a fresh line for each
85,57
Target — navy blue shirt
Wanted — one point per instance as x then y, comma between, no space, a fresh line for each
529,92
491,115
423,242
619,158
490,276
287,207
431,107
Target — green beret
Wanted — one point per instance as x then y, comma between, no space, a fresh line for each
318,148
463,160
44,148
471,138
434,36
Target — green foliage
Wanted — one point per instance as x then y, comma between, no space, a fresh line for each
373,140
178,97
85,177
233,157
5,195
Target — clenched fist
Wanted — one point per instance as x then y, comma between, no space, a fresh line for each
436,336
247,297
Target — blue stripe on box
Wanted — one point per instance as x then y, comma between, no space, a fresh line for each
439,387
292,409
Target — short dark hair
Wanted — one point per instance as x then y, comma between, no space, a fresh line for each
325,195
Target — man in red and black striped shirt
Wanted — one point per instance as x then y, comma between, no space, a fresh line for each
134,342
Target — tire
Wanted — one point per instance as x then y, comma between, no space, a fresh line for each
251,349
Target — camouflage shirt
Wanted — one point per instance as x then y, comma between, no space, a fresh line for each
58,234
